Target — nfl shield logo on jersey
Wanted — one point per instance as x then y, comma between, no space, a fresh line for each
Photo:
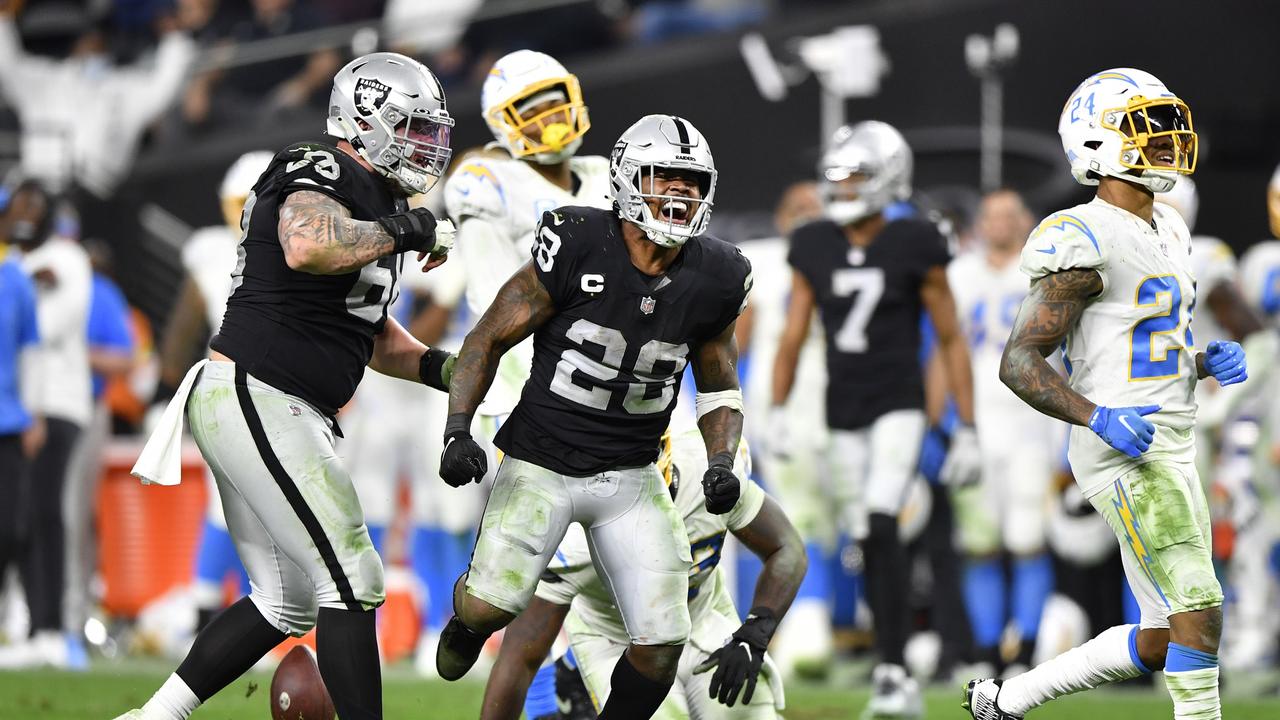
647,304
370,95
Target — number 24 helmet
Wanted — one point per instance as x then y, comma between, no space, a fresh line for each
662,141
1109,122
874,150
392,111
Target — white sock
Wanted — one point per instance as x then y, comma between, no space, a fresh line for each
173,701
1195,694
1106,658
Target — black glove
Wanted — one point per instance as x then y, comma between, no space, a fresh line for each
738,663
463,461
720,485
412,230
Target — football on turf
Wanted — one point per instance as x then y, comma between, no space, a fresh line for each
297,692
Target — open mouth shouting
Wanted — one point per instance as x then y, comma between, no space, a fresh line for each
676,211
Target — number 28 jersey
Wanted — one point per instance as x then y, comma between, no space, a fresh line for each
1133,343
869,302
307,335
607,366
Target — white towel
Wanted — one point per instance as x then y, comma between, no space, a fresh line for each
160,461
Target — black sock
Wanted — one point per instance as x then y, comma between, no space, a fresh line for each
632,696
227,647
886,562
347,650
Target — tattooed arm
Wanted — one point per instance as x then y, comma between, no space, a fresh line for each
319,236
715,369
1050,311
522,306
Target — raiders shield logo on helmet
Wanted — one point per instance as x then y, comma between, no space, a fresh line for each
370,95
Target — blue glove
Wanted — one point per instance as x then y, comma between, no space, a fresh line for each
1224,360
1124,428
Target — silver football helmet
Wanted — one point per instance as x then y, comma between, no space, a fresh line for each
878,153
392,111
662,141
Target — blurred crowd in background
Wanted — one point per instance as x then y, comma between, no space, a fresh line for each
84,86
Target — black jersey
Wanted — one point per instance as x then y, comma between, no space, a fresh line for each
307,335
607,366
869,302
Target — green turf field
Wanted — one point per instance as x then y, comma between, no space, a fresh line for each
109,690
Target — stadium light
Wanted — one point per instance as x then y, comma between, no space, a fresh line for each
987,57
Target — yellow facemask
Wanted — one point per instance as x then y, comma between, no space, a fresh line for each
1143,120
554,128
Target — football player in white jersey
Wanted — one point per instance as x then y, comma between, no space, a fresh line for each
1008,509
1112,278
534,108
725,656
209,258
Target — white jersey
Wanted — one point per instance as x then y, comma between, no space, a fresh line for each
573,579
209,257
63,279
987,301
1133,344
497,203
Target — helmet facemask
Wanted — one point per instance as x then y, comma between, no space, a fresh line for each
418,152
1141,122
873,193
557,130
680,217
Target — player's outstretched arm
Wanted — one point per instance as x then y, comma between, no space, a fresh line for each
1051,309
715,372
521,307
774,540
319,236
799,315
935,294
399,354
525,645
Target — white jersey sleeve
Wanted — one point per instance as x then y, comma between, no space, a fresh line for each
474,190
1063,241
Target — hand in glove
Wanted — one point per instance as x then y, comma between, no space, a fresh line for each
720,485
1125,428
415,230
737,664
463,460
963,465
1225,361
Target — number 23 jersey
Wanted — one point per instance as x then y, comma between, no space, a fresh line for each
869,301
1133,342
607,366
307,335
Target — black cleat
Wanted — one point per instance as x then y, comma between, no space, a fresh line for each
572,696
980,700
459,649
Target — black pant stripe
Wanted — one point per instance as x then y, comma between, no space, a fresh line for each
291,492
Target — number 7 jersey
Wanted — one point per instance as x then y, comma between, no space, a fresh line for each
607,366
1133,342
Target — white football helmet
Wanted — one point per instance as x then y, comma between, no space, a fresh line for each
662,141
1184,198
874,150
526,80
238,183
392,111
1109,122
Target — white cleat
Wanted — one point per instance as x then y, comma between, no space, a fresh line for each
893,694
980,700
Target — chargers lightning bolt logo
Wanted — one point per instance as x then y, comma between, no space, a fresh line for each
1065,223
1132,531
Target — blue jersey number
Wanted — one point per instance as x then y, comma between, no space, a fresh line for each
706,556
1155,292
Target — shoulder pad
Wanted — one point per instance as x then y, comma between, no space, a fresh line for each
310,164
1062,241
590,164
475,190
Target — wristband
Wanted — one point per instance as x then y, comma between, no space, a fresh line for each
431,368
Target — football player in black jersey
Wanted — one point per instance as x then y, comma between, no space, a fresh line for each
324,232
618,302
869,279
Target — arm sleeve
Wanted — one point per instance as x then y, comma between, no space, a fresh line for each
22,72
1062,241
